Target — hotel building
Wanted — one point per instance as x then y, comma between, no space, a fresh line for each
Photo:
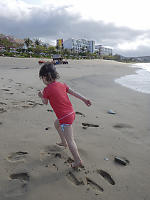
80,45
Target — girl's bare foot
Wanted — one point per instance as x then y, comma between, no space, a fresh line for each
76,165
61,144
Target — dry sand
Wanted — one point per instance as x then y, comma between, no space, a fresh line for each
32,167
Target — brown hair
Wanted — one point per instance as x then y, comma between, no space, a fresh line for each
48,70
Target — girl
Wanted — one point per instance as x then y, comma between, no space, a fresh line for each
56,93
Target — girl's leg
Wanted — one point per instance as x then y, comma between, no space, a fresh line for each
61,134
68,133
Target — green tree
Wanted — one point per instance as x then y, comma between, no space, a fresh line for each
28,42
51,50
37,42
38,49
6,43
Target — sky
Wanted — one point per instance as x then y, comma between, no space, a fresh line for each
122,25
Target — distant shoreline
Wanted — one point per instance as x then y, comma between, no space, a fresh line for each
43,58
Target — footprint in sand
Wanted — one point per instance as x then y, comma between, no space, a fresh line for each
2,110
51,156
2,103
78,178
31,87
6,90
79,113
19,84
23,176
17,156
122,125
121,160
106,176
1,123
17,185
14,189
30,104
75,178
26,106
52,151
94,185
86,125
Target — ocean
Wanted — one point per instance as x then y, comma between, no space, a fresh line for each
140,81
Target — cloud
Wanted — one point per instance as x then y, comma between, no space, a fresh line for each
141,50
23,20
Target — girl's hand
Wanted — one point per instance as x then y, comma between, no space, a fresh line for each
87,102
40,94
45,101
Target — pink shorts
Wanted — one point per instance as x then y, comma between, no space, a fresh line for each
67,119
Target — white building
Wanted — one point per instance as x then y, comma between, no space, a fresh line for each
80,45
104,51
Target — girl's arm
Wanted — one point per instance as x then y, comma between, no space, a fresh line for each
77,95
45,101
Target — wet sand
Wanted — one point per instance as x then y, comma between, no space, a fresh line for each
33,167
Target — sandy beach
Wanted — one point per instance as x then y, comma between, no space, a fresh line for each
33,167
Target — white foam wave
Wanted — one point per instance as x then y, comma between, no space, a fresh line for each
140,81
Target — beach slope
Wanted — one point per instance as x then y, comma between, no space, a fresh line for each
33,167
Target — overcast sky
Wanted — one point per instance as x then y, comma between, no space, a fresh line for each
120,24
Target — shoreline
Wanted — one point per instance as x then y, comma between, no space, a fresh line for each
139,81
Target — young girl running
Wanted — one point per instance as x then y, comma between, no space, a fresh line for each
56,93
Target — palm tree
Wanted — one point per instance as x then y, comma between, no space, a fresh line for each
37,42
28,42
